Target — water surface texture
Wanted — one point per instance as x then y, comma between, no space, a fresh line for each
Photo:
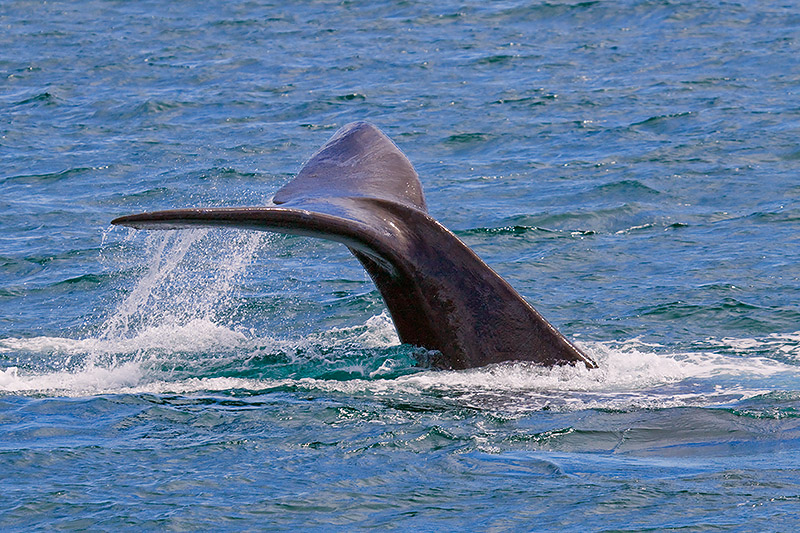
631,167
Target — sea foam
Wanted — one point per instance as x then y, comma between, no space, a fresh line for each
169,320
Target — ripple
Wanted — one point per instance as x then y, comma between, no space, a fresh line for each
351,97
45,99
498,59
60,175
460,139
629,189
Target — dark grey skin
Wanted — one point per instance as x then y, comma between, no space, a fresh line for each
361,190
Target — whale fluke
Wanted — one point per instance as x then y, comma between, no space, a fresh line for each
361,190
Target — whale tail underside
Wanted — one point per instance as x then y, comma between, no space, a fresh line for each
360,189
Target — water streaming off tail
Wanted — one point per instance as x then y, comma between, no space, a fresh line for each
188,286
180,319
177,306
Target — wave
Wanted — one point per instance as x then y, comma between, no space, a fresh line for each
160,358
36,179
46,98
624,218
205,358
168,336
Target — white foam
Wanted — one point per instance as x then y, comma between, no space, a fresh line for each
377,332
786,343
87,381
169,320
198,335
124,364
631,374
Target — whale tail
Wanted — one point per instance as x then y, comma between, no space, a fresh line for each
360,189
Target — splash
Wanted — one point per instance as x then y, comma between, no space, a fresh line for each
188,280
147,361
170,335
174,307
632,375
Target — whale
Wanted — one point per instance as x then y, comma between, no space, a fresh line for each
359,189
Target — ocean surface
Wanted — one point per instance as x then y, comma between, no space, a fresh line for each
631,167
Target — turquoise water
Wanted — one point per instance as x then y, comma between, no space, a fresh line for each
631,167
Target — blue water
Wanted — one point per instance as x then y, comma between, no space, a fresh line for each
631,167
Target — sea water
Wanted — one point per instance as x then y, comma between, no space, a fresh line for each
631,167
